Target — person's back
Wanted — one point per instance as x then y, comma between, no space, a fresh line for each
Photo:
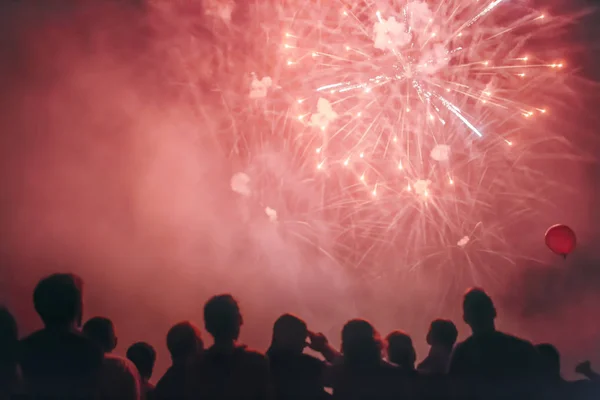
9,374
119,378
441,337
58,361
363,374
227,370
185,345
494,355
237,374
491,363
296,375
401,351
143,356
551,384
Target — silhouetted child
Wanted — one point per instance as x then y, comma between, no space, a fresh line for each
102,331
121,379
363,373
400,350
185,344
143,356
441,337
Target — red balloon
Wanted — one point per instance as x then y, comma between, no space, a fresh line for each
561,239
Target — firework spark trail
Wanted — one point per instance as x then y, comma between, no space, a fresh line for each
412,122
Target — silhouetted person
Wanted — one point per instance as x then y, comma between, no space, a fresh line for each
228,370
297,375
401,351
102,331
363,373
9,339
58,361
441,337
553,386
491,364
143,356
120,378
185,344
549,362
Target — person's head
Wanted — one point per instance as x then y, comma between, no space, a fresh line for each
289,333
549,361
400,349
102,331
184,341
478,310
361,343
58,300
9,336
143,356
222,318
442,333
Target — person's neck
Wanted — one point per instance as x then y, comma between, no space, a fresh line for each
482,329
279,347
68,327
224,346
183,360
437,351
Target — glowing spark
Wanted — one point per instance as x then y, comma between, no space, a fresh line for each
240,183
259,89
440,152
463,242
271,213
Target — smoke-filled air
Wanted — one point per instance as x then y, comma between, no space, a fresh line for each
329,158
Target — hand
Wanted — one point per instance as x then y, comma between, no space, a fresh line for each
318,342
583,368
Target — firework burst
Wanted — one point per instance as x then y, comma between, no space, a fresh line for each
406,126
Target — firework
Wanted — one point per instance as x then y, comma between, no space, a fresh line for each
407,126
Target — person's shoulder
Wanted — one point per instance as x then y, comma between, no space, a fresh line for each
85,346
308,361
307,358
462,346
80,340
387,368
73,342
120,371
33,339
514,340
118,364
250,354
252,358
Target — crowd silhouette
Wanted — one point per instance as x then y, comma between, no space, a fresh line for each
66,360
